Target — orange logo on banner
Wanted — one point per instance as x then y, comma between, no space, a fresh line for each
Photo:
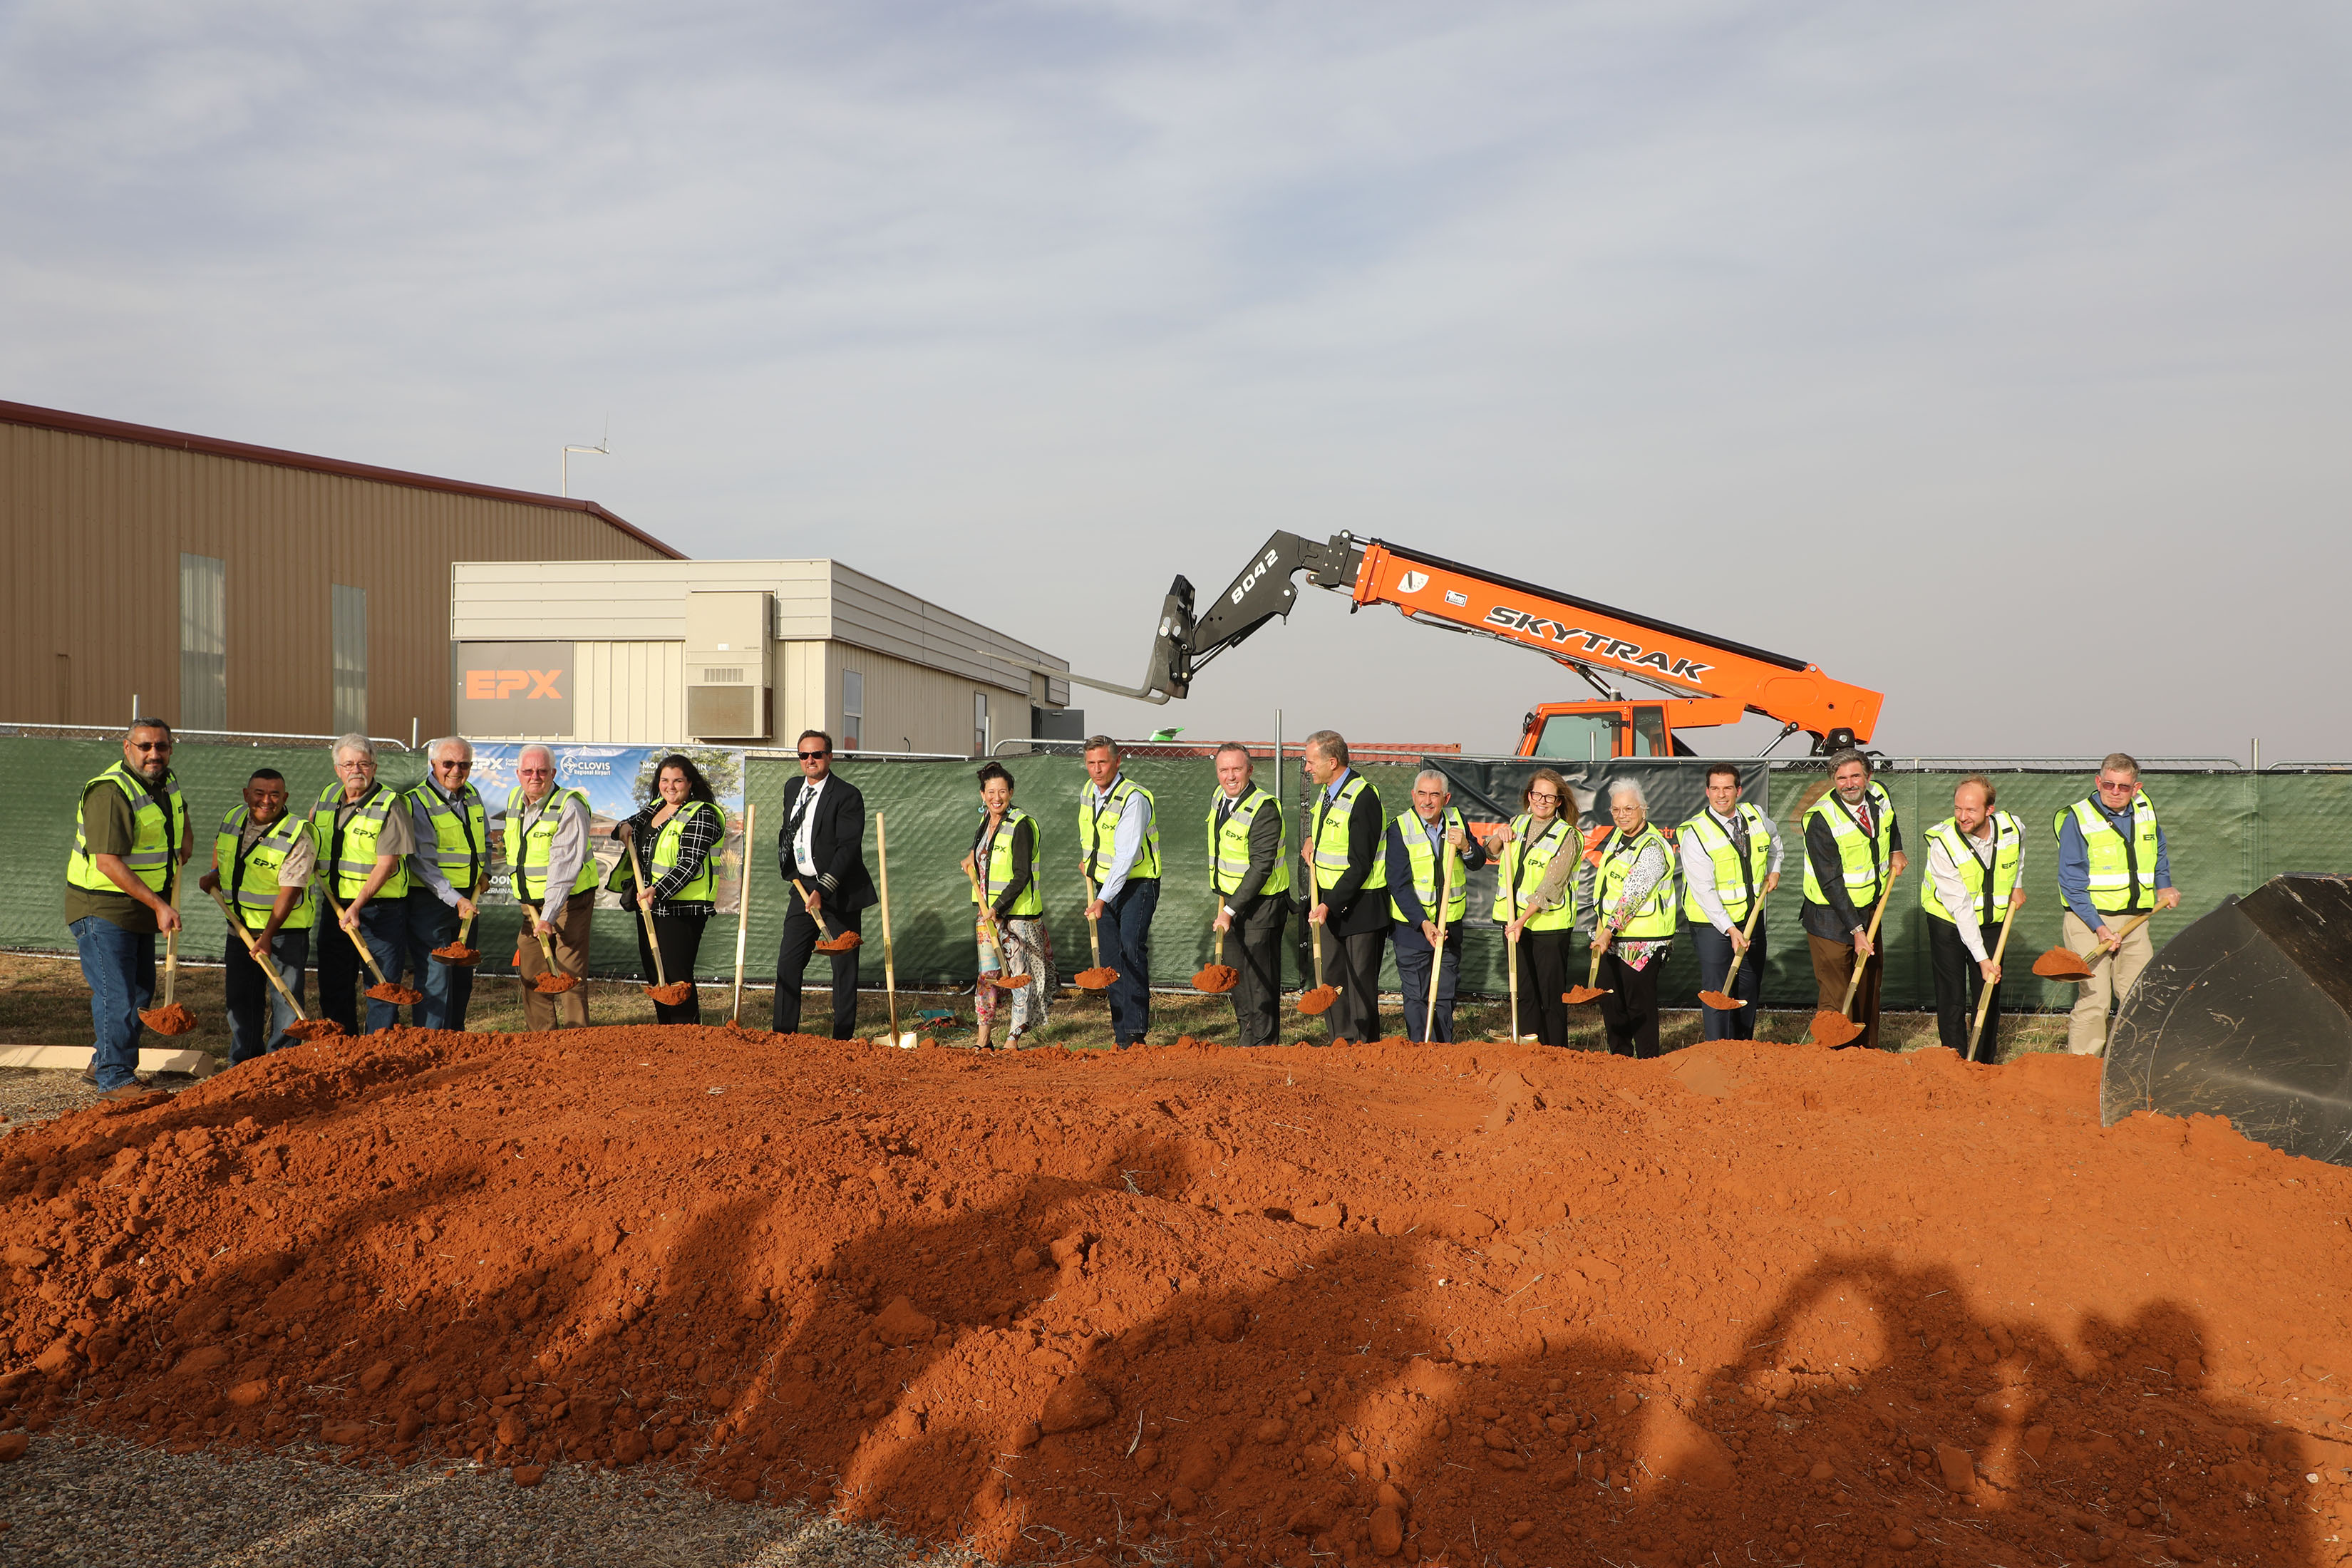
492,685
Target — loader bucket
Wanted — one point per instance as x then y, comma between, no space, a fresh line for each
2248,1013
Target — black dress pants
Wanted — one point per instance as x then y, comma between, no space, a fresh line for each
1630,1009
681,944
1257,998
1543,979
799,941
1958,984
1353,965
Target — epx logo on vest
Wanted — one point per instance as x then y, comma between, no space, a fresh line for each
511,688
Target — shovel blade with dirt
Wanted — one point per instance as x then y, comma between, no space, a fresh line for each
304,1026
1217,977
1591,990
2065,963
1723,1001
168,1017
1317,1000
1099,977
553,981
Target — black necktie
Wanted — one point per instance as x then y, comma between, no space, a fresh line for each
1224,810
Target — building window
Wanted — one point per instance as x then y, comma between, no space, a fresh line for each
979,724
351,659
853,708
204,643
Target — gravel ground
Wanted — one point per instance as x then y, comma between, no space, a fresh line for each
99,1499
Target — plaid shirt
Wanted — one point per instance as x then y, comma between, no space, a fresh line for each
696,836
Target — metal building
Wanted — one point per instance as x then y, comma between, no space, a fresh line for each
236,587
741,652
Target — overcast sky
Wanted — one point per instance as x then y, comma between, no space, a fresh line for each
1992,356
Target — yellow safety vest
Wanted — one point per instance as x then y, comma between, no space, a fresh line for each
158,829
702,887
1331,838
1520,871
528,853
350,856
2123,868
1415,834
1737,878
1864,862
461,834
1098,832
1989,900
993,856
1654,917
250,876
1229,857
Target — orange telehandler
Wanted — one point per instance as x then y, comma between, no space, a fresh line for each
1712,680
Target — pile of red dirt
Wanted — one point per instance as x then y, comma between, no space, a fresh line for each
1469,1303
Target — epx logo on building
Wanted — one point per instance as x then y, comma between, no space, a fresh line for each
511,688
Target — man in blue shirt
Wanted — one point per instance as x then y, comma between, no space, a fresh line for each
2112,865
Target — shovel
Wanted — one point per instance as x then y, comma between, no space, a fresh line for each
1984,1001
553,981
1000,980
171,1018
457,953
1511,962
385,990
304,1026
828,943
1591,990
1723,1001
2065,963
1437,954
1218,977
1097,978
742,917
1834,1029
889,969
1317,1002
668,992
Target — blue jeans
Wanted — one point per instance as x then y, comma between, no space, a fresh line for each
383,926
245,991
1127,947
120,968
448,987
1715,955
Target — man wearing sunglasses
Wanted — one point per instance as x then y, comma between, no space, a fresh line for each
131,839
821,846
2112,865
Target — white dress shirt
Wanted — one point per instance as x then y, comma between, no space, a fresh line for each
804,851
1953,892
1699,866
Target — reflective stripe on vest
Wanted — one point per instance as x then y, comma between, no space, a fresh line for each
1654,917
1098,832
1991,901
2123,868
251,875
1737,877
1415,834
1332,840
702,887
1520,871
1229,849
158,828
461,834
993,856
528,852
348,852
1863,861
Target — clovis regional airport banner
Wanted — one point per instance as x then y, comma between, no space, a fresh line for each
616,780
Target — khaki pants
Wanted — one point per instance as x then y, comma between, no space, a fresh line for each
2111,980
1833,972
540,1010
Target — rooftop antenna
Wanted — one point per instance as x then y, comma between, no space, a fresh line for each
604,448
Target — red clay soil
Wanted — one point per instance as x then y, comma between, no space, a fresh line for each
1474,1304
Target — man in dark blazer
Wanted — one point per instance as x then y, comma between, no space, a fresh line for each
822,845
1347,891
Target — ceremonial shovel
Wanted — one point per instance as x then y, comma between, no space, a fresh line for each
1837,1028
2065,963
304,1026
1723,1001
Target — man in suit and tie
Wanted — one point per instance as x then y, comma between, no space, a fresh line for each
822,845
1349,879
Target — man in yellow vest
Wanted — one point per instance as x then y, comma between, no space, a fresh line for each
131,838
1974,858
1417,847
1853,853
448,870
264,857
2112,864
1250,876
1633,924
1731,858
1119,844
363,837
1349,881
553,865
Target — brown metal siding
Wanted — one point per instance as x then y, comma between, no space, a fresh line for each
94,527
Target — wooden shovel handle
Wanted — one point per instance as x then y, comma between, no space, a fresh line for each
653,943
366,956
1854,987
267,966
743,908
1984,1001
1748,933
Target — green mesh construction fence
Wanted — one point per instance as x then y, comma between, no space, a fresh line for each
2226,834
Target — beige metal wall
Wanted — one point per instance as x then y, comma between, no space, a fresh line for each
909,708
93,528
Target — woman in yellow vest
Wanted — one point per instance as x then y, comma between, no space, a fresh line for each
1535,900
680,835
1012,909
1633,898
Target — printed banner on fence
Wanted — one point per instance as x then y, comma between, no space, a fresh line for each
617,780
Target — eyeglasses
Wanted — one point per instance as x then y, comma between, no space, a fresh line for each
1549,799
815,756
